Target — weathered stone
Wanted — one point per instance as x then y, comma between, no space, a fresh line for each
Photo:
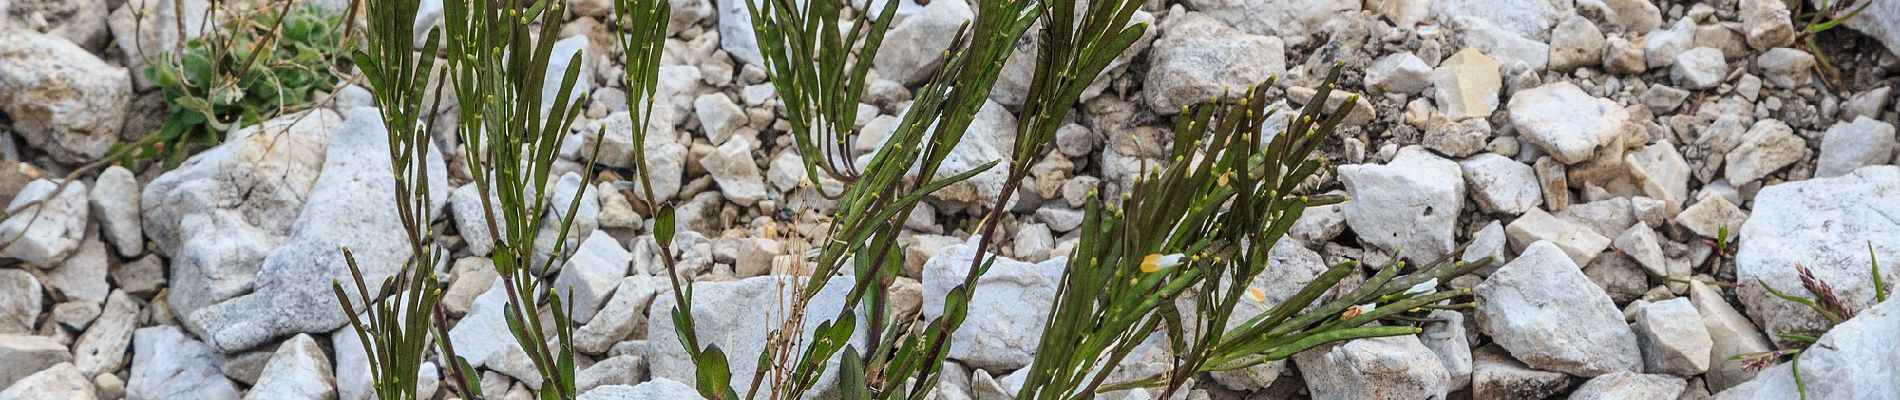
1629,385
349,207
1393,367
1640,244
1401,72
61,98
1501,185
1767,23
1848,146
61,382
1711,216
656,389
1512,49
1576,43
1855,359
1533,306
1005,309
743,312
1198,57
591,274
102,348
1458,138
732,166
115,200
1828,225
1579,242
1730,335
1466,85
1567,123
1495,375
298,370
45,222
20,301
915,46
26,355
1881,21
1409,205
1699,68
1295,21
1672,338
172,365
1446,337
1661,47
1660,173
623,315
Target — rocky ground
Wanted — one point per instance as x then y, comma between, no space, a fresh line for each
1599,147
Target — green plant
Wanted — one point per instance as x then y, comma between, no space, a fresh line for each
1825,303
257,68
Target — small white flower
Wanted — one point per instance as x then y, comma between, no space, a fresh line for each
1423,287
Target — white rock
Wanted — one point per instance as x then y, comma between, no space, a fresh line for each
1567,123
26,355
115,199
1639,243
1768,146
45,222
1848,146
1500,184
1409,205
614,135
1446,337
1629,385
62,99
914,47
1533,306
735,31
1661,47
656,389
623,315
1576,43
1401,72
1495,375
82,22
1786,68
559,59
718,116
743,312
1458,138
1660,173
82,276
990,136
1006,309
591,274
351,207
1386,367
1198,57
353,370
1295,21
1318,225
625,369
1633,16
1853,360
171,365
1510,48
1294,267
220,213
1709,216
1672,337
1529,19
1730,335
298,370
1578,241
1827,224
20,301
732,166
60,382
102,348
476,339
1699,68
1767,24
1487,242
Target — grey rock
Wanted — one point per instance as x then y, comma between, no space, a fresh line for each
1673,338
1006,309
1498,40
1699,68
221,212
27,355
1394,367
61,98
1199,57
76,315
1318,225
115,200
1409,205
1619,277
472,277
1786,67
1711,215
82,275
45,222
298,370
1576,43
349,207
141,277
1880,21
476,340
718,116
1527,19
82,22
101,350
1641,245
1767,24
1660,173
1567,123
1458,138
743,312
1661,47
1854,360
1850,145
738,175
735,31
1629,385
20,301
1533,305
60,382
1500,184
558,61
1632,16
1294,267
1295,21
616,370
172,365
1827,224
1447,339
353,370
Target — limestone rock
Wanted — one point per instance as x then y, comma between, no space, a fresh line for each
591,274
1815,223
60,382
115,200
61,98
1567,123
1466,85
1400,72
1853,360
1699,68
1198,57
1578,242
743,312
1296,21
45,222
1495,375
1501,185
1629,385
1409,205
914,47
172,365
1730,334
1533,305
1673,338
656,389
1006,309
102,348
298,370
1394,367
27,355
1848,146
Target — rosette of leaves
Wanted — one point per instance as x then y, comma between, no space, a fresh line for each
257,68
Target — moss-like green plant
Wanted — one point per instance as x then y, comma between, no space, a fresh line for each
255,69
